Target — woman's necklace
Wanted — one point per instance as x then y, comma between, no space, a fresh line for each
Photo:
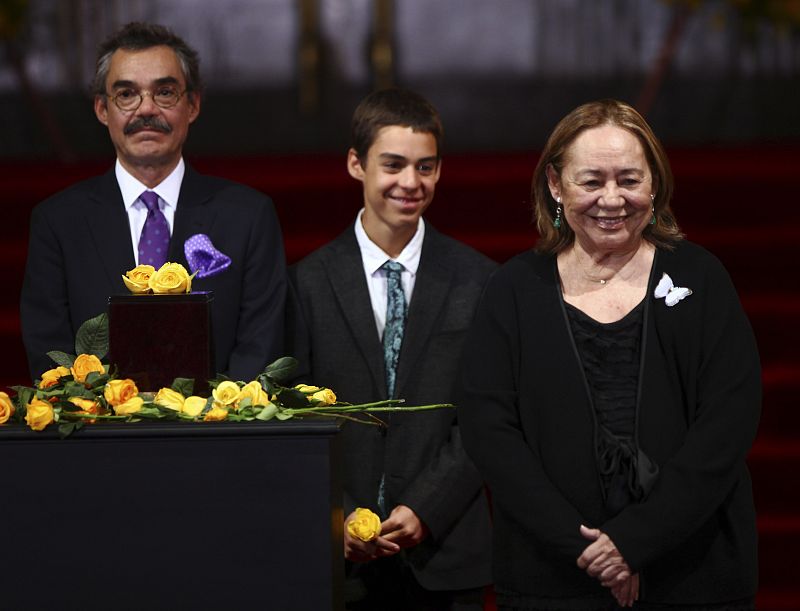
601,281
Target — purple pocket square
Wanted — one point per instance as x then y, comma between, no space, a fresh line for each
204,260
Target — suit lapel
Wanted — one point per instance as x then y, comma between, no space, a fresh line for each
430,293
109,228
346,274
192,214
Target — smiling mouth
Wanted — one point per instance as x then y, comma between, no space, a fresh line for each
406,201
605,222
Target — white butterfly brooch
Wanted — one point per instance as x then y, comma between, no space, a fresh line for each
667,290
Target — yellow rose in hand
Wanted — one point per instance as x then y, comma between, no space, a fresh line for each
40,414
84,365
138,279
52,376
227,393
131,406
118,392
166,397
193,406
255,392
325,396
171,279
216,414
6,407
364,525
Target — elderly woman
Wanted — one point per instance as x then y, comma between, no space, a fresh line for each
611,391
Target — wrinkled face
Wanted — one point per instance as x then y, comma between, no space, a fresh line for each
606,188
149,135
399,177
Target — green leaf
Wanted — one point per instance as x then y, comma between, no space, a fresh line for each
76,389
291,397
24,396
281,369
185,386
150,410
268,413
65,429
280,415
92,337
269,386
95,379
62,358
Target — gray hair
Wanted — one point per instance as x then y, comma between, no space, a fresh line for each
139,36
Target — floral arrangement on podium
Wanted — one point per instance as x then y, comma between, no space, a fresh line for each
83,390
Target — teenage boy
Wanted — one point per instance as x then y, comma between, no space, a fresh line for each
381,312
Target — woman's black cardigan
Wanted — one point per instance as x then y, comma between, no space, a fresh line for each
527,423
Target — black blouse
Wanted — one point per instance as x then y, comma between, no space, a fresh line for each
610,355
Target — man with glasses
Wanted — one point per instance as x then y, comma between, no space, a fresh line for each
147,92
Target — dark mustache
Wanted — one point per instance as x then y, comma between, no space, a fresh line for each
147,123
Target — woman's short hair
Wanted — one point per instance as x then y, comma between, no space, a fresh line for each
664,233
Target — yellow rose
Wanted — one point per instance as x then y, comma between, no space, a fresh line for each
131,406
40,414
137,280
306,389
364,525
52,376
216,414
227,393
325,396
6,407
255,392
87,405
118,392
194,405
166,397
171,278
84,365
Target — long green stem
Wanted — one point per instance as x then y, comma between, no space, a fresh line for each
80,416
365,407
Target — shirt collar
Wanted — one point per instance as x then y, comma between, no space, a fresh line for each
168,189
373,255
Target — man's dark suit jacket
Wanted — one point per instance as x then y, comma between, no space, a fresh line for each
80,246
332,331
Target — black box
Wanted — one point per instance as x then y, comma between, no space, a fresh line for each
154,339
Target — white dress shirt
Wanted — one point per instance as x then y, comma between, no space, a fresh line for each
373,256
167,190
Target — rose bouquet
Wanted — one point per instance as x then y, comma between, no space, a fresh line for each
83,390
169,279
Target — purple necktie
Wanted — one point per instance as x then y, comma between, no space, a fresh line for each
154,243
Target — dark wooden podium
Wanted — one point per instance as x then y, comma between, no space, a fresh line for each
172,516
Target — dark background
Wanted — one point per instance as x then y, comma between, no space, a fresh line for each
717,80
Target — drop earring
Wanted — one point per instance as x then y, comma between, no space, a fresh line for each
653,208
557,221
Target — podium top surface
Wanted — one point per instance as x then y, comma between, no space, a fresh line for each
193,297
287,428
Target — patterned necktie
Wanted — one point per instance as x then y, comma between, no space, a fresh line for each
395,323
392,341
154,241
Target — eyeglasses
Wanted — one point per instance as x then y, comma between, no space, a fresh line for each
163,97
